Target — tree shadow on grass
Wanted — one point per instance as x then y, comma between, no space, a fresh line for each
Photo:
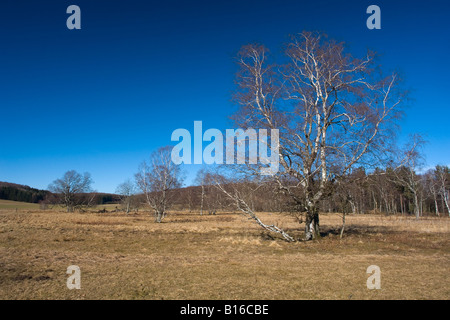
357,230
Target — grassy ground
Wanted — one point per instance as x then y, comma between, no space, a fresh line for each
224,256
8,204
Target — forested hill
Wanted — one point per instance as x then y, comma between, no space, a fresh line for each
18,192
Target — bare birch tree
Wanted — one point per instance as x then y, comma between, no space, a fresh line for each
333,111
443,180
157,178
433,189
405,173
126,191
200,180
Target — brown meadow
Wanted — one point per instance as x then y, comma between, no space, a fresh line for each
223,256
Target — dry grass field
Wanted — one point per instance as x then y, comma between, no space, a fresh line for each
223,256
13,205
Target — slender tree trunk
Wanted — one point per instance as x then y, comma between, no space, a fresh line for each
421,205
352,204
375,204
203,196
386,205
312,230
402,205
416,206
436,205
445,196
343,225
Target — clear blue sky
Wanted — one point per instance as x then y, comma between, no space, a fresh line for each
102,98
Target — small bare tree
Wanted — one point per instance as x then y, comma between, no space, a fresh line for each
200,180
443,180
126,191
405,173
157,178
70,188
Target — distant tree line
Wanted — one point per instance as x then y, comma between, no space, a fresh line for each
22,193
390,191
17,192
393,191
387,190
